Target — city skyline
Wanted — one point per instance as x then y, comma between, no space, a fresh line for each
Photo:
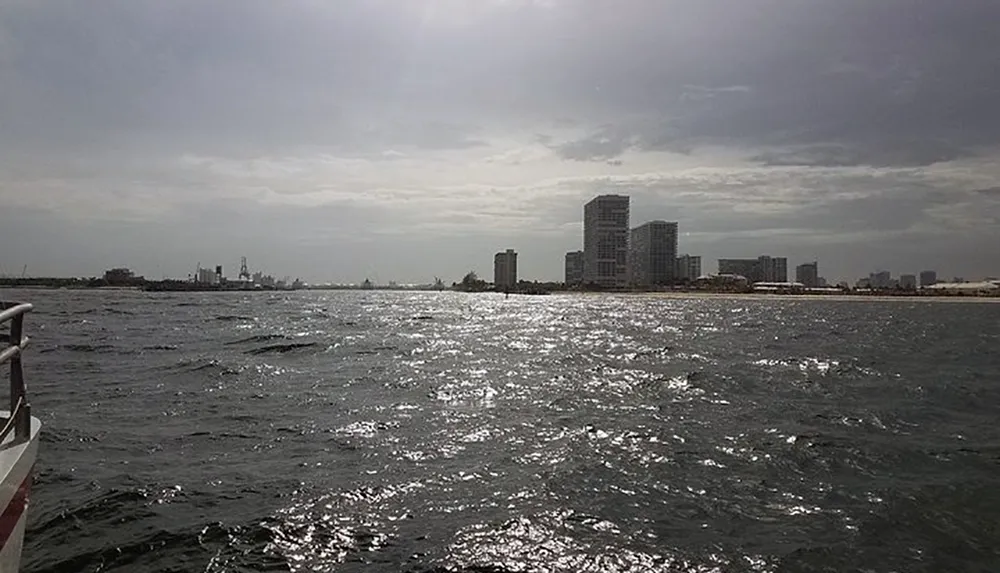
724,265
411,140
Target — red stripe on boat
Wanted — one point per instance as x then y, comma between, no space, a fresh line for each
12,513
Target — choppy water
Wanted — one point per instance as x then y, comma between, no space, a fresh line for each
446,432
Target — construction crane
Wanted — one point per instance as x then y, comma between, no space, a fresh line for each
244,271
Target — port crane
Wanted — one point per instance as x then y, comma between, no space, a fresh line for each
244,270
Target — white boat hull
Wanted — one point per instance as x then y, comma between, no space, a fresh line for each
17,462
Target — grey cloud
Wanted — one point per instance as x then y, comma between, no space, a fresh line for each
879,76
851,219
989,191
884,154
859,202
605,144
771,72
234,74
102,96
702,93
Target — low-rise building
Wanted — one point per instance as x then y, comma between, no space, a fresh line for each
981,288
688,268
574,268
764,268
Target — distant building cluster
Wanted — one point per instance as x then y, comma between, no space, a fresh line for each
259,278
616,256
927,282
122,277
883,280
207,276
763,269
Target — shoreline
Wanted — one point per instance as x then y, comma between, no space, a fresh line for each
830,297
756,296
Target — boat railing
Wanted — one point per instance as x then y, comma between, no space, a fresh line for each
19,420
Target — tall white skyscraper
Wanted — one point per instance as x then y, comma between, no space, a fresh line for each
605,241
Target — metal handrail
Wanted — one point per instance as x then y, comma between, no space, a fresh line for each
12,421
14,310
20,410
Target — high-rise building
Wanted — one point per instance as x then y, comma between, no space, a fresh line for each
688,268
743,267
773,269
928,278
653,253
605,241
762,269
908,282
881,279
574,268
808,274
505,269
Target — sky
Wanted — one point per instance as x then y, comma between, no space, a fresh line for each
402,140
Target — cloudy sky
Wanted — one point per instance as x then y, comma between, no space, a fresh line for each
403,139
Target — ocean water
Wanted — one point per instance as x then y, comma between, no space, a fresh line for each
435,432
